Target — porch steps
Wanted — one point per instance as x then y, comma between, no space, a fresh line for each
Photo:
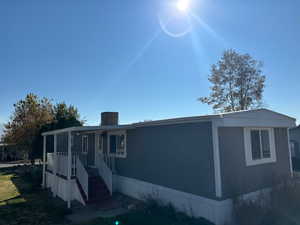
93,172
98,191
81,191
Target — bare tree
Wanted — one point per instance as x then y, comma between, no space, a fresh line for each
28,117
237,83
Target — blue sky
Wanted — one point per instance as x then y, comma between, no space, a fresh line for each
114,56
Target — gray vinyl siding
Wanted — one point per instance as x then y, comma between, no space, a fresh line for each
62,145
62,142
176,156
237,178
91,150
50,143
87,159
295,138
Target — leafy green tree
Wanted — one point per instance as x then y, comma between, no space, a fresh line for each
237,83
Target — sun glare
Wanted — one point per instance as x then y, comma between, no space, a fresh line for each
183,5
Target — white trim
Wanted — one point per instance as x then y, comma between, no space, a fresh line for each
255,111
218,212
256,117
69,169
87,144
95,148
216,154
87,128
248,148
237,118
44,161
55,162
290,153
124,152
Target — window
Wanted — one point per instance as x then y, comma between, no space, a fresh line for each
117,144
85,144
120,144
259,145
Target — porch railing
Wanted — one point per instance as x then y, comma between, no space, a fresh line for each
50,161
61,163
82,176
103,165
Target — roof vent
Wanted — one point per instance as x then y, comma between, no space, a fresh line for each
109,118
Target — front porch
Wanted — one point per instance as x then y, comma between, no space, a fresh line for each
77,164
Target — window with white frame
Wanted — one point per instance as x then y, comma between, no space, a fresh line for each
259,146
117,144
85,144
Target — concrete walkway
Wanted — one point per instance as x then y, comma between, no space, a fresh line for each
7,165
16,163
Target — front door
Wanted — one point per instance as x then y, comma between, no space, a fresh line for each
98,146
88,149
84,149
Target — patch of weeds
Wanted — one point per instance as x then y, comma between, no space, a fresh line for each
153,212
279,207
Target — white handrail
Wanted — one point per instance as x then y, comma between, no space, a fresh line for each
82,176
62,166
104,171
50,161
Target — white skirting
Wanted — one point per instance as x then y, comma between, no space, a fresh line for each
218,212
59,187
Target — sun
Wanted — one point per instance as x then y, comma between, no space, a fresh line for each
183,5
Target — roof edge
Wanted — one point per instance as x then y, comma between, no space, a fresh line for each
162,121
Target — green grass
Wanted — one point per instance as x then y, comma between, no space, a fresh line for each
22,201
7,189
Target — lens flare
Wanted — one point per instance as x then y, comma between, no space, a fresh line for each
174,18
183,5
175,32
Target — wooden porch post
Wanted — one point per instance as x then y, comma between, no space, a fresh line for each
44,161
55,166
69,169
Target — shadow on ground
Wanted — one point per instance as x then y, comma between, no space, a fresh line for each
25,202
